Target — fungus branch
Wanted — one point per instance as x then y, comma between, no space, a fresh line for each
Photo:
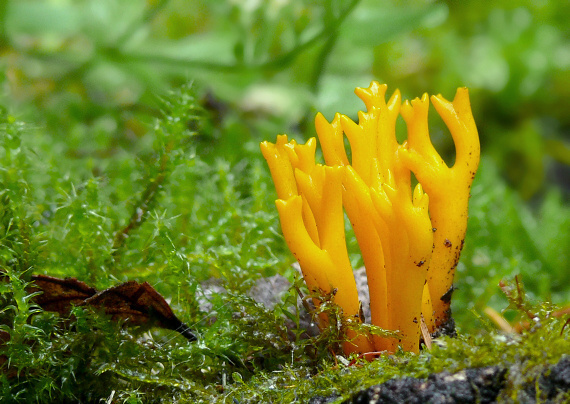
448,187
391,225
312,221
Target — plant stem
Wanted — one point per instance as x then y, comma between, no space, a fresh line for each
145,202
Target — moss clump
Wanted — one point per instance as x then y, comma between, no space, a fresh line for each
522,359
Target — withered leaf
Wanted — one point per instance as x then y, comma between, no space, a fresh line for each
138,303
132,302
59,294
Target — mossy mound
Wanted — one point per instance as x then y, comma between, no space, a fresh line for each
480,385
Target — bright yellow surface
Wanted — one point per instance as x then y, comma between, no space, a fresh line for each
410,242
448,187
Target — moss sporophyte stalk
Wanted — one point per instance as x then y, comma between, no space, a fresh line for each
410,240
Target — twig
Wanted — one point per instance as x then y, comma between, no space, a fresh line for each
499,320
519,299
564,326
425,333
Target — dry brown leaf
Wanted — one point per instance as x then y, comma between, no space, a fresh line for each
132,302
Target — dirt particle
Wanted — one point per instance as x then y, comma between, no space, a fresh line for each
446,298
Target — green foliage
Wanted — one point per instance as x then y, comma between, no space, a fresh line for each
124,171
513,57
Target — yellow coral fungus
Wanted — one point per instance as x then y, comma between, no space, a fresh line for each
447,187
409,264
312,221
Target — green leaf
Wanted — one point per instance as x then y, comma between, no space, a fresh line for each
373,26
35,17
215,47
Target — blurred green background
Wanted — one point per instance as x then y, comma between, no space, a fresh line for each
88,76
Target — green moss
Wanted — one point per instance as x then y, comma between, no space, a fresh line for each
524,355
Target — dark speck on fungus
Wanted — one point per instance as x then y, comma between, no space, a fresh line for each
447,295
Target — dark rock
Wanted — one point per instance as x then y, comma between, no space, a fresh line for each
553,384
322,399
480,385
447,328
556,379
